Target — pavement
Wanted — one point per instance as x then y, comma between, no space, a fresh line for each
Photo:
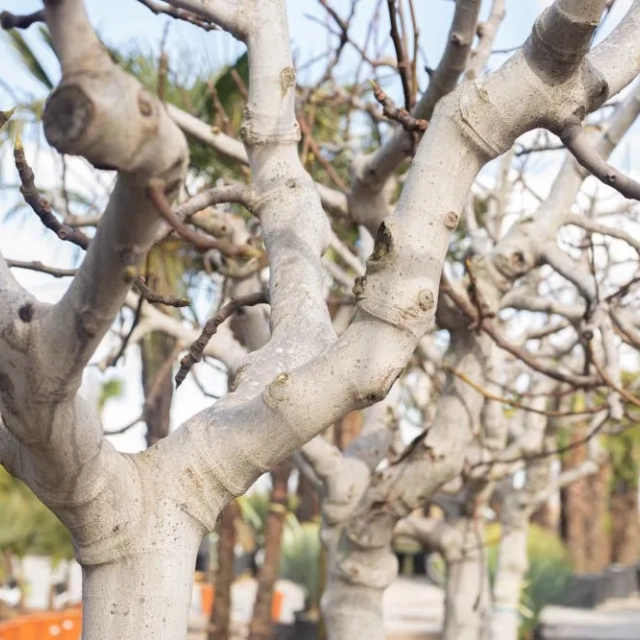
613,620
413,610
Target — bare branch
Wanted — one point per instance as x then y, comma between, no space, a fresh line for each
40,206
408,122
42,268
578,144
10,20
156,192
519,405
179,14
587,468
231,15
617,58
211,327
486,33
404,65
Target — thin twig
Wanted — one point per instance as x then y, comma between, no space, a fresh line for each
42,209
155,298
240,84
519,405
156,193
10,20
129,425
404,66
111,361
328,167
466,306
218,107
211,327
40,206
179,14
406,120
42,268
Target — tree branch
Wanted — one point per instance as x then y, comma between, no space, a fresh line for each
178,14
211,327
587,156
10,20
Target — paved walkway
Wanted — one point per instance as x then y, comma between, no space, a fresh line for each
614,620
413,610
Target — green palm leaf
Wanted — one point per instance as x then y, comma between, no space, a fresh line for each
29,58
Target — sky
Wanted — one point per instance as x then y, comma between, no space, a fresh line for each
125,24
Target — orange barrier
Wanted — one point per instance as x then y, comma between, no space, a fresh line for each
207,593
63,625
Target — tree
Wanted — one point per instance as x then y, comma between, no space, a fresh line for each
137,521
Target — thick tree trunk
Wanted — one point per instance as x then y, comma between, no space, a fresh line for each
221,612
261,624
353,610
467,592
510,574
625,524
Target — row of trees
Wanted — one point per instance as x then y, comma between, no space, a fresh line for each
269,194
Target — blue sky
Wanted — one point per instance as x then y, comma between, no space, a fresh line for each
123,22
126,23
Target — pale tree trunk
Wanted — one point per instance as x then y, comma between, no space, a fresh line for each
261,624
537,442
467,603
361,560
510,573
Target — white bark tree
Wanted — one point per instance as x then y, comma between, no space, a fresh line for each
137,520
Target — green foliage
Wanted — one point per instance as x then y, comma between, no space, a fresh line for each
624,456
254,509
110,389
29,58
300,560
27,526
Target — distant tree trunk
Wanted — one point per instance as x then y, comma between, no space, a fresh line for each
260,627
164,269
347,430
625,523
156,349
543,516
575,509
598,541
308,508
221,612
467,591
